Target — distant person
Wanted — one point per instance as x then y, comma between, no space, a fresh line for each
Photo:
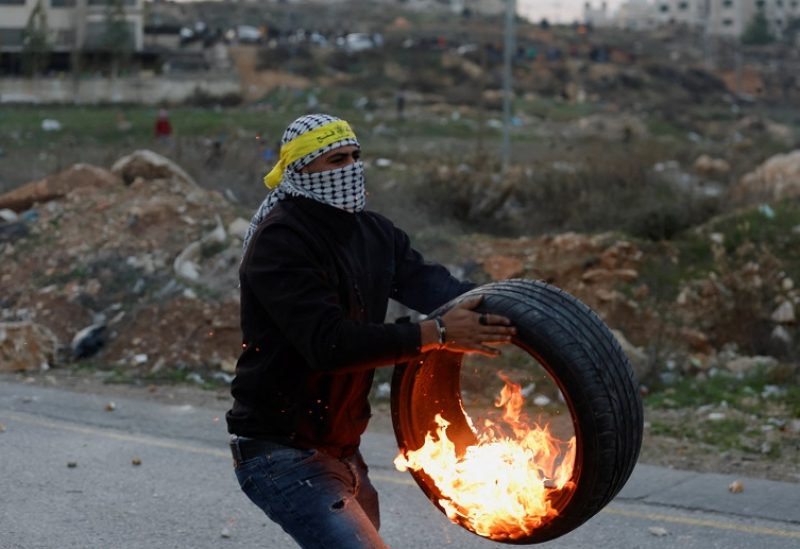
400,103
316,278
163,127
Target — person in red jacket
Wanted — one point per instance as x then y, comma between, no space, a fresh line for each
316,277
163,128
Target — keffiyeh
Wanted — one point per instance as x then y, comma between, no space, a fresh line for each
342,188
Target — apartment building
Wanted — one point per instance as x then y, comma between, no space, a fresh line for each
721,17
72,24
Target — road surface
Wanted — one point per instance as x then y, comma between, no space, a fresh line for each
68,480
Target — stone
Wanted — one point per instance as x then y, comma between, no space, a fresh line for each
57,186
636,355
784,314
186,264
744,364
26,346
778,178
149,165
711,167
238,228
697,340
780,333
736,487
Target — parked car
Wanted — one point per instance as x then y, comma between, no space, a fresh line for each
355,42
247,34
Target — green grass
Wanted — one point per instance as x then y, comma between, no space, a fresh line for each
662,128
747,393
557,111
21,127
724,434
694,247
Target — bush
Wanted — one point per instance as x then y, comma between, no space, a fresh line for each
607,192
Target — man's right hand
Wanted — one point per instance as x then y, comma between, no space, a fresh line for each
468,331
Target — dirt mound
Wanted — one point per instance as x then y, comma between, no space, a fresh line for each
57,186
102,253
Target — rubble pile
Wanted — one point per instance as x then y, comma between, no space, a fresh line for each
134,266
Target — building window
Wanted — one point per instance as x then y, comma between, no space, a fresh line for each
62,3
664,8
683,6
65,38
12,2
760,3
727,22
727,3
11,37
96,35
779,3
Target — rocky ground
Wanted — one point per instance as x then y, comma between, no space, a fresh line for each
123,281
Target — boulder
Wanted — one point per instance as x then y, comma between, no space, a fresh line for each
784,313
636,355
26,346
149,165
56,186
777,178
711,167
746,364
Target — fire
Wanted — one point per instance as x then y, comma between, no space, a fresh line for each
502,487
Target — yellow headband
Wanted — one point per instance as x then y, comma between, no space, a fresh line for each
307,143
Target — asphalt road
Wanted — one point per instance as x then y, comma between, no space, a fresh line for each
184,494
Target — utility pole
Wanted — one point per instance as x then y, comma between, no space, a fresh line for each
508,53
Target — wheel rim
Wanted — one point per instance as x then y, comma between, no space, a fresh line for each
430,385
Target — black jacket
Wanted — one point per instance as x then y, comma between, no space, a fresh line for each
315,286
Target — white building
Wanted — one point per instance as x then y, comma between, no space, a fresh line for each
597,14
636,15
73,24
723,17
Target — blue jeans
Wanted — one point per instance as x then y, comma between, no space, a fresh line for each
319,500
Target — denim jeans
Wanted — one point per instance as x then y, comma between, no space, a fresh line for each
319,500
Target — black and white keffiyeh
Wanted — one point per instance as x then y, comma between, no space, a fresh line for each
342,188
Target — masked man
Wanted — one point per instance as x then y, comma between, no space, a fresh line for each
316,277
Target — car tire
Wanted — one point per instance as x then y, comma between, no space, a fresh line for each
582,357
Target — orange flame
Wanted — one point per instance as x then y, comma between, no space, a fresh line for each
503,486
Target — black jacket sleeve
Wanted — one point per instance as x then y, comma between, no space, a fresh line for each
300,298
421,285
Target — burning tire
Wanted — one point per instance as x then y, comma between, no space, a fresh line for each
595,379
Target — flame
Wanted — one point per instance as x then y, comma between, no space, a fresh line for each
502,487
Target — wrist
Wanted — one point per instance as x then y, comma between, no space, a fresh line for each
441,331
431,335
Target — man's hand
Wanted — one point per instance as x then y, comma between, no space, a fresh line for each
468,331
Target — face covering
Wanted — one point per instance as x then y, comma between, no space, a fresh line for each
341,188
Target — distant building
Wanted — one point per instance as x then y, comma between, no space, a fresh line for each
597,14
636,15
73,24
721,17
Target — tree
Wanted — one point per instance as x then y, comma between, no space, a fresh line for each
117,40
757,32
35,42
